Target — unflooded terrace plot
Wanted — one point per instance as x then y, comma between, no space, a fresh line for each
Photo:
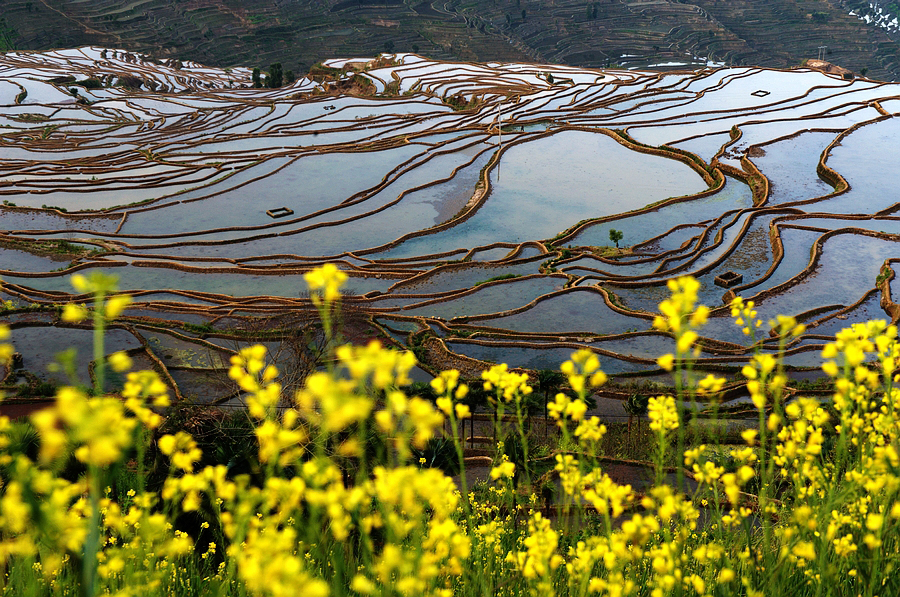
487,212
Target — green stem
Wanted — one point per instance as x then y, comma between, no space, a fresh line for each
92,541
462,470
763,499
660,457
524,441
679,397
99,355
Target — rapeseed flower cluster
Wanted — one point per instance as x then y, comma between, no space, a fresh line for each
681,317
341,501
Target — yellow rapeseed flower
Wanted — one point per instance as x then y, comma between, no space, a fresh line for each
326,280
505,469
662,413
72,313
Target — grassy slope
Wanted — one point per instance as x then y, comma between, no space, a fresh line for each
778,33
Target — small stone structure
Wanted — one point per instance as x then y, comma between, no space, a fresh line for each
729,279
279,212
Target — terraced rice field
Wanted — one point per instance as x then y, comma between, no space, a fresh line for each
471,205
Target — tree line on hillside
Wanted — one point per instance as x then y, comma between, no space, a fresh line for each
275,78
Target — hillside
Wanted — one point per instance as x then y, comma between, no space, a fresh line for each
299,33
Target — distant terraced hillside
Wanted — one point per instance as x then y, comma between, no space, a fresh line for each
298,33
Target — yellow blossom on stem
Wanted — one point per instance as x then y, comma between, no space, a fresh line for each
98,429
563,407
539,559
254,376
745,316
505,469
332,404
583,371
662,413
326,280
119,361
72,313
677,309
181,449
590,430
666,361
377,366
6,349
710,385
115,305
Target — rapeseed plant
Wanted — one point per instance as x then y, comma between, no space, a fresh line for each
809,503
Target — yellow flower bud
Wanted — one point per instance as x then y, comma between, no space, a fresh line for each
116,304
74,313
667,361
119,361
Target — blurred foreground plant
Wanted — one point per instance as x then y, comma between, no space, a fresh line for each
808,503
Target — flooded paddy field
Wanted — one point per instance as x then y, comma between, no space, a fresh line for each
473,207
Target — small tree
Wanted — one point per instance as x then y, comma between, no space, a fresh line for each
276,76
616,236
289,77
549,381
636,406
257,82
